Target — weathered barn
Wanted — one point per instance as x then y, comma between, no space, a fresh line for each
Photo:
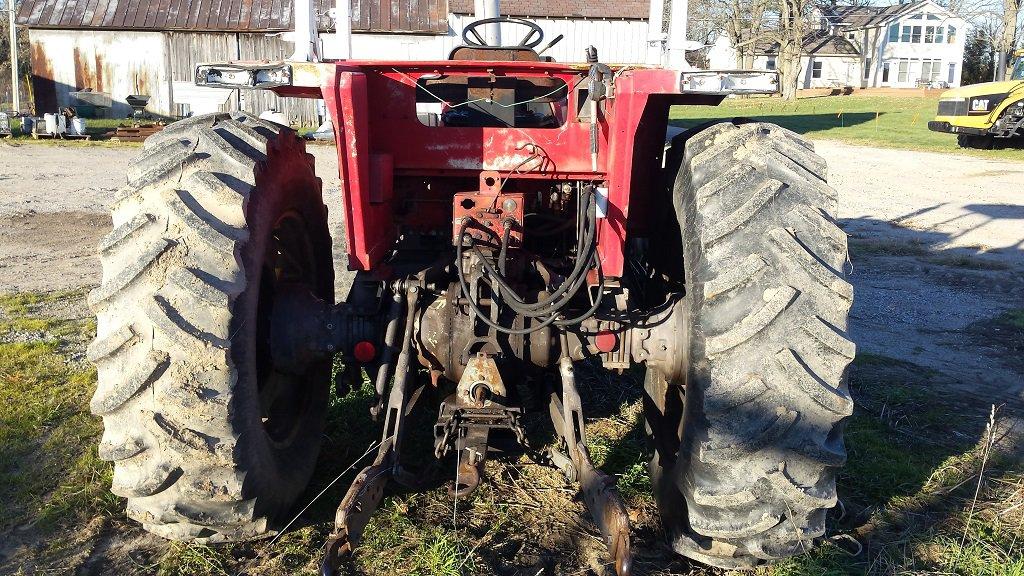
124,47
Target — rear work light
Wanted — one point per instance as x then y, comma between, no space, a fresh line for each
256,75
729,82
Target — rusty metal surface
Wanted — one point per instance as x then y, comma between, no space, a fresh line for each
490,210
115,63
227,15
120,63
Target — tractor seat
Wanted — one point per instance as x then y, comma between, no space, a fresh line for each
495,53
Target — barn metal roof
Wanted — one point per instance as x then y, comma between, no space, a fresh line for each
225,15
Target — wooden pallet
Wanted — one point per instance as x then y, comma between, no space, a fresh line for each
134,133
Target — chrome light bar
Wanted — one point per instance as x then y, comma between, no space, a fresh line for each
729,82
256,75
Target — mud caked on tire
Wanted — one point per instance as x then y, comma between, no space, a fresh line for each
748,447
210,441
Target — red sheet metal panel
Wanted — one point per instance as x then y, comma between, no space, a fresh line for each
427,16
366,229
630,144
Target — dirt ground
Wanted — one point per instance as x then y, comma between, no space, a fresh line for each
937,248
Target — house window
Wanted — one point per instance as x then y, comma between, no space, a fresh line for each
952,72
951,36
867,68
929,34
816,70
938,34
916,36
933,17
851,35
905,36
894,33
770,64
930,69
885,73
904,71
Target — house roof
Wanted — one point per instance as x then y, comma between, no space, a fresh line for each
867,16
816,43
625,9
223,15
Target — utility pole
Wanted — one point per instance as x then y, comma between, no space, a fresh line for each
15,96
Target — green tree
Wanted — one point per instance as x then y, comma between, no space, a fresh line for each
977,58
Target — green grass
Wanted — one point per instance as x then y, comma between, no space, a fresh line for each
1014,318
908,487
886,121
20,312
190,559
49,469
96,127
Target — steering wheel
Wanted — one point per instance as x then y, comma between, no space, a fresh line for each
477,41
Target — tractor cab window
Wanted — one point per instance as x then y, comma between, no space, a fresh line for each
1018,70
491,101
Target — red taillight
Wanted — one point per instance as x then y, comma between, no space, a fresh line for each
606,341
364,351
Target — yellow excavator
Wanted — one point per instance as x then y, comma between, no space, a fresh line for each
987,115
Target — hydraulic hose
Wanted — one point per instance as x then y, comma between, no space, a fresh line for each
549,306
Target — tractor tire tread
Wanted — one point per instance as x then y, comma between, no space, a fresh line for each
766,392
162,320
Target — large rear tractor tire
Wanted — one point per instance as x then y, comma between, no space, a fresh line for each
976,141
210,440
747,448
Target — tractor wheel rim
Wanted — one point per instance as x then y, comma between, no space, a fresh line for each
288,260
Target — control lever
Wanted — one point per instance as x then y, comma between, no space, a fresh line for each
554,41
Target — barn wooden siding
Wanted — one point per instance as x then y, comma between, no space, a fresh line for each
122,63
621,41
187,49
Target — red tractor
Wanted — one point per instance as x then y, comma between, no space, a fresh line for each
507,217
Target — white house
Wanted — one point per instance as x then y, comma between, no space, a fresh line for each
902,46
905,45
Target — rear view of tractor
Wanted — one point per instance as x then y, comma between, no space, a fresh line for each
507,218
987,115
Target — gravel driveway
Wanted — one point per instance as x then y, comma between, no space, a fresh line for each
937,243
